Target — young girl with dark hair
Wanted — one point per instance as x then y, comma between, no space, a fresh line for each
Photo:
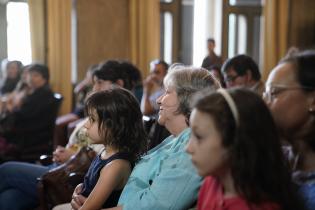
115,120
235,146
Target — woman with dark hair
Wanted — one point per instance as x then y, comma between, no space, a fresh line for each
290,95
235,145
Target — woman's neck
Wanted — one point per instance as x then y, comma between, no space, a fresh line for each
177,125
306,157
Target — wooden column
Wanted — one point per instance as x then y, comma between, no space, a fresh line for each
59,49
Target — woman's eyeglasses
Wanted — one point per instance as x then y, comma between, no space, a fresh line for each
272,92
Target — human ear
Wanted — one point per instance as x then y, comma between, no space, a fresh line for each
120,82
249,75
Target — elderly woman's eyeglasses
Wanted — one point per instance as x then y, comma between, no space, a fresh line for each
272,92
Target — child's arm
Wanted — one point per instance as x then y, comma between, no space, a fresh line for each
112,177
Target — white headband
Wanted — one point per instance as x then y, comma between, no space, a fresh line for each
231,104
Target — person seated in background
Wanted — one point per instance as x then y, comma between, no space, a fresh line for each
15,99
212,58
242,71
18,185
290,95
83,88
80,91
108,74
12,77
123,73
165,177
235,146
32,123
133,79
153,87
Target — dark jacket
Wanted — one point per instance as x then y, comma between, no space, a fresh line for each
33,123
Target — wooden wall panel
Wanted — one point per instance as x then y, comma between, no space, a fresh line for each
102,32
302,24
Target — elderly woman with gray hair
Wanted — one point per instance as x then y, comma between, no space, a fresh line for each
165,178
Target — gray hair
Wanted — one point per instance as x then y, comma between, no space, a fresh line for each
188,80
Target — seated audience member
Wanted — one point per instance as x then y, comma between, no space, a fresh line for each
153,87
15,99
242,71
32,123
24,188
80,92
165,178
18,185
133,79
115,120
290,95
212,58
82,89
235,146
13,73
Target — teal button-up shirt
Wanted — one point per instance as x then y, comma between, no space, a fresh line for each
163,179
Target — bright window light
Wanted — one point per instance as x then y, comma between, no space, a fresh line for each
18,32
168,22
200,36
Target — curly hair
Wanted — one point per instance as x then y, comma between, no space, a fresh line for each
119,120
257,163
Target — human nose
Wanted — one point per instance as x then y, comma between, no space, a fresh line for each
188,147
159,100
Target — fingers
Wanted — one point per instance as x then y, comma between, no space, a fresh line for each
74,205
78,189
77,201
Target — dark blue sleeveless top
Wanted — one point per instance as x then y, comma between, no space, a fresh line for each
93,174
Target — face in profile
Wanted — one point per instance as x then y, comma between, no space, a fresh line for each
92,128
159,73
286,99
211,46
12,70
35,80
205,145
232,79
168,105
99,84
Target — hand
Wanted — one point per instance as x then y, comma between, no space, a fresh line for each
149,83
77,199
62,154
